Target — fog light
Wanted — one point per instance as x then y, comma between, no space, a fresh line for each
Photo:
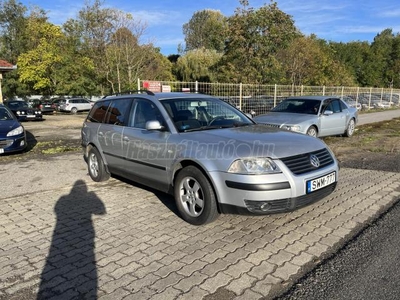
265,207
22,143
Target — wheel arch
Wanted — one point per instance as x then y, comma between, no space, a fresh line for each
86,154
185,163
315,126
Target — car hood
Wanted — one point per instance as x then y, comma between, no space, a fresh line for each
7,125
254,140
281,118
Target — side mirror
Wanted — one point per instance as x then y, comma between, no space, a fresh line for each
328,112
154,125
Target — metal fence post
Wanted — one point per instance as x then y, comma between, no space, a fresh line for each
391,95
240,95
358,91
370,98
275,93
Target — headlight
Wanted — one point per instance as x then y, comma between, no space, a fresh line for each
292,127
16,131
256,165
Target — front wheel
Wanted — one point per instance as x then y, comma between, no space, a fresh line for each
350,128
195,197
97,169
74,110
312,131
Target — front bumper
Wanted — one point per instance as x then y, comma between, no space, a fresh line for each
267,194
14,144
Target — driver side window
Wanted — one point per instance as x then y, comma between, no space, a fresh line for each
333,106
143,112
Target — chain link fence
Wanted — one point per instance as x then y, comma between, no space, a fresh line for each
257,99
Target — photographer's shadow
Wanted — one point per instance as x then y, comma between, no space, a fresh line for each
70,270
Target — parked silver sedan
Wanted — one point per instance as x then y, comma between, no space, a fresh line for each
206,153
317,116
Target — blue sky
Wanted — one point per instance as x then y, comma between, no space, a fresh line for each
342,21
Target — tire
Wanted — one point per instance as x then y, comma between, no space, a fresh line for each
96,168
195,197
74,110
312,131
350,128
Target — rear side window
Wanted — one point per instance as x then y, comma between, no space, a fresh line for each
118,113
98,112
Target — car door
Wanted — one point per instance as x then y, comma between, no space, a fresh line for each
85,104
110,133
333,119
146,151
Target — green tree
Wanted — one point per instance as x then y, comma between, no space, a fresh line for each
255,36
157,66
13,30
196,65
206,29
13,42
96,25
355,56
76,75
310,61
38,66
380,62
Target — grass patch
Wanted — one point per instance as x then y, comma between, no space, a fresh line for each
60,149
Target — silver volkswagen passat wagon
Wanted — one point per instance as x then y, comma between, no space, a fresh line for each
213,158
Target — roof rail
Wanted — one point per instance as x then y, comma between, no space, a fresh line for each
130,92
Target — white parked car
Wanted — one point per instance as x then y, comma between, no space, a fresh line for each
74,105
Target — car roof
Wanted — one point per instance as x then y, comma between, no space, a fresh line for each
312,97
158,96
161,96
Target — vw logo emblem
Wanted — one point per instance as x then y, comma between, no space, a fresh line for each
314,161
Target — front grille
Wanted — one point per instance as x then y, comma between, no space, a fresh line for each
5,143
272,125
300,164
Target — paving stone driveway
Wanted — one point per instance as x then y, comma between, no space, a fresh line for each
76,239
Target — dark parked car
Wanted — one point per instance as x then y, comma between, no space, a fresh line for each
56,102
12,133
43,105
209,155
23,111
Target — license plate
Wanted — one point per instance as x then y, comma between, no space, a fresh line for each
320,182
1,150
31,116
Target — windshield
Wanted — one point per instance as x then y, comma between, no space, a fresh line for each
5,114
189,114
17,104
299,106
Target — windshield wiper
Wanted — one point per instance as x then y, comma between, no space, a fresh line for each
202,128
217,127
